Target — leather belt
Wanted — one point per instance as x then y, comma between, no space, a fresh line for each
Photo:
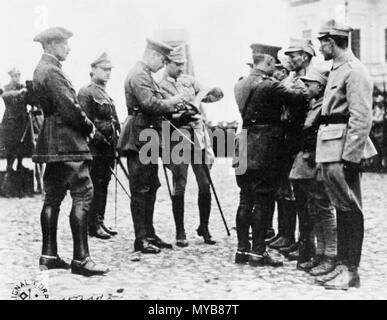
333,119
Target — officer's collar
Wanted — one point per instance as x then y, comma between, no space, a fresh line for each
51,58
145,67
99,85
345,57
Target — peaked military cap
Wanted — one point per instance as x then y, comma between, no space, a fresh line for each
316,76
103,61
334,28
178,55
159,47
259,48
14,71
54,33
300,45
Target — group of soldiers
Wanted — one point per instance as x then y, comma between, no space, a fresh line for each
307,132
81,141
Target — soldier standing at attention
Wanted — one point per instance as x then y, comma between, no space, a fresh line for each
100,109
62,145
146,109
300,53
260,99
343,141
175,82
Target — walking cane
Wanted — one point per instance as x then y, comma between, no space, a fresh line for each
115,198
120,183
167,179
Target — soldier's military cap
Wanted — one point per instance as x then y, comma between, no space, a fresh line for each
103,61
54,33
178,55
300,45
334,28
315,75
259,48
159,47
14,71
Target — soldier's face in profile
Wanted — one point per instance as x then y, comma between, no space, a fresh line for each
158,61
102,74
60,50
174,69
313,89
326,48
297,59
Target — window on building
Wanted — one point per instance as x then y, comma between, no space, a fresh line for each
307,34
355,42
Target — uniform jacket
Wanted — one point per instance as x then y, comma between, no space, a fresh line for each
189,87
146,108
304,166
348,93
15,123
66,126
100,109
262,119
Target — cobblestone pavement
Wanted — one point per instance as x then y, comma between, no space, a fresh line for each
196,272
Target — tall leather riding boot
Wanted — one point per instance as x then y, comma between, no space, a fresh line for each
243,217
204,202
49,224
290,216
78,224
96,213
354,224
178,215
259,215
342,244
149,212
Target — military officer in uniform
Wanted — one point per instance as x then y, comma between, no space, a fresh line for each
300,53
100,109
342,142
175,82
15,121
260,99
147,108
62,145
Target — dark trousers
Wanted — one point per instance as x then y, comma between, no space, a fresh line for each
100,175
58,178
256,200
344,192
143,182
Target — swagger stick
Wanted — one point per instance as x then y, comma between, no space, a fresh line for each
167,179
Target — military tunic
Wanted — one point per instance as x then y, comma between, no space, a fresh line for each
100,109
260,99
62,140
146,108
348,95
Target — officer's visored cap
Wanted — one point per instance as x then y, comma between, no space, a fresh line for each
159,47
14,71
53,34
334,28
315,75
178,55
103,61
297,45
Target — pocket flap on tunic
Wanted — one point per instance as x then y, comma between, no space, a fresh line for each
332,134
